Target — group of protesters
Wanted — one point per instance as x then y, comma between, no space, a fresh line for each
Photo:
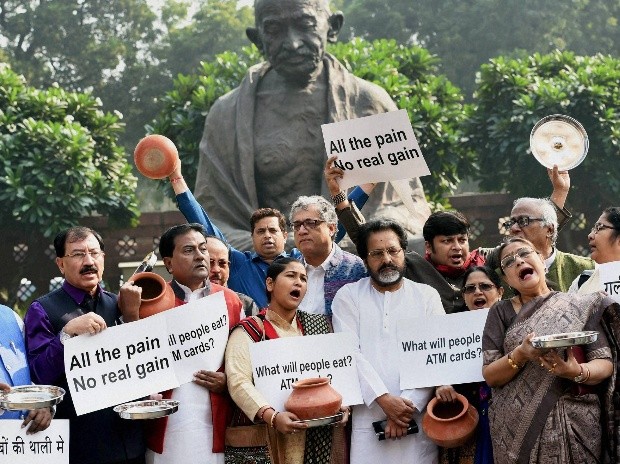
535,405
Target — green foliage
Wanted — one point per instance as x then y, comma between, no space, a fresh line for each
466,34
513,95
410,76
186,106
407,73
59,160
215,27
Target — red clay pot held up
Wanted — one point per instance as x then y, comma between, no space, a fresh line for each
156,295
156,156
450,424
313,399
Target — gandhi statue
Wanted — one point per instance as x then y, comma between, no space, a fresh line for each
262,144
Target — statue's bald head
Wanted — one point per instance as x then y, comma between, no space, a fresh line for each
260,5
292,35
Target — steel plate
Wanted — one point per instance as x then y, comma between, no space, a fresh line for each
323,420
31,397
563,340
147,409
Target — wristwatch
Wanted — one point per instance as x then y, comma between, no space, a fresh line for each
337,199
64,336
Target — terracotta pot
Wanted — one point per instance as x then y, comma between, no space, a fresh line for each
450,424
156,295
313,398
156,156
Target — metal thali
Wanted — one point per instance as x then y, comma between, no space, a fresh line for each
31,397
147,409
563,340
559,140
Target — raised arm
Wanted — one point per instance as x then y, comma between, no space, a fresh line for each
560,180
349,216
189,206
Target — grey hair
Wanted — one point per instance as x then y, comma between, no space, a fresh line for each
327,212
547,212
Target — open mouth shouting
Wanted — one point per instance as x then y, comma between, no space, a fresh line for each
456,259
295,294
480,302
526,273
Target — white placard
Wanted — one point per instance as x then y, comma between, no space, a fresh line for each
278,363
610,279
198,335
441,350
50,446
375,148
133,360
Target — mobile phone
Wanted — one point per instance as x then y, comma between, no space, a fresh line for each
379,427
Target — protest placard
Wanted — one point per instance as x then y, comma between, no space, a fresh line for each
161,352
610,279
375,148
441,350
50,446
198,335
279,363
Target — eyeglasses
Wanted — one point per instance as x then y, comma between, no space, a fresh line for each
521,221
221,263
484,287
308,224
510,260
598,227
81,255
378,254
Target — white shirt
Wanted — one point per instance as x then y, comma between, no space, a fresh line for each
189,433
314,301
550,260
372,318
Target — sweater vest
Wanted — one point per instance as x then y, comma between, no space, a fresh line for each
101,436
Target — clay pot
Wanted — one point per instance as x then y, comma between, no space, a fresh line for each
156,156
450,424
313,399
156,295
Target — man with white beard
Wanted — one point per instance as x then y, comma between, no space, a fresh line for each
370,310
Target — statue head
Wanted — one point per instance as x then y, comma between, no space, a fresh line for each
292,35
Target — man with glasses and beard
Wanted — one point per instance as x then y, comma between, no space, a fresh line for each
370,310
79,307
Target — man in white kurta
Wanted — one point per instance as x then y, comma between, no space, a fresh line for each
371,310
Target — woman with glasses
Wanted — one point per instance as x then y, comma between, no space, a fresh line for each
604,240
289,441
481,289
548,406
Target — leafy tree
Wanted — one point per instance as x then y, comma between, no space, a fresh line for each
87,45
513,94
215,27
59,160
466,34
409,74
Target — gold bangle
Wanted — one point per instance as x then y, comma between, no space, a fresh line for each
273,418
587,369
511,362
